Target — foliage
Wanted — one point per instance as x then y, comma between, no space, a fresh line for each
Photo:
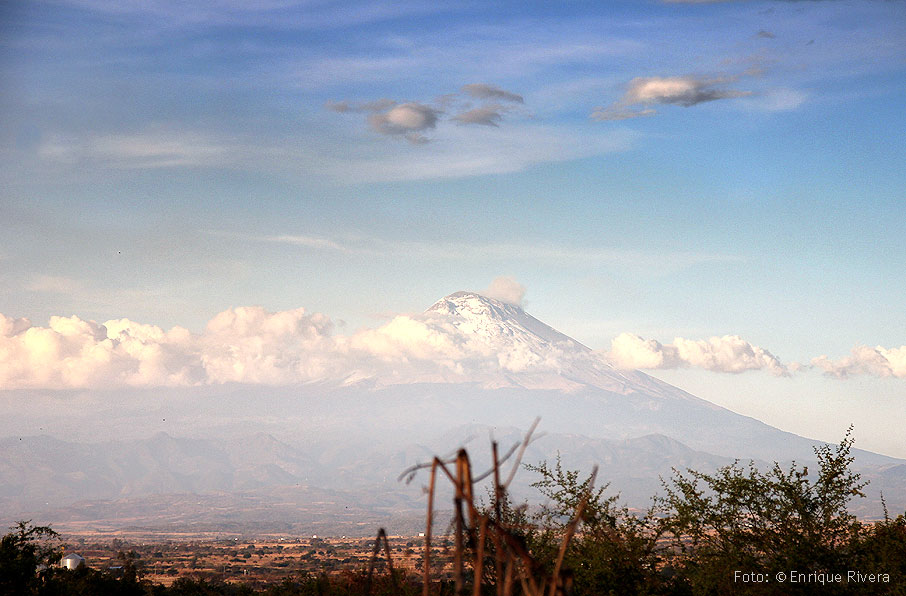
25,553
615,552
744,520
881,548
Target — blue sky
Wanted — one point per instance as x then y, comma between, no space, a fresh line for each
681,169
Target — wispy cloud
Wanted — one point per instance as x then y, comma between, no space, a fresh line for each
54,284
145,150
460,151
561,255
775,100
727,1
485,91
298,240
309,241
378,105
277,14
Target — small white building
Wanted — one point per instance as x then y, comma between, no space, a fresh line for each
72,561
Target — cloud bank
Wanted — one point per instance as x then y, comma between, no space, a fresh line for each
256,346
252,345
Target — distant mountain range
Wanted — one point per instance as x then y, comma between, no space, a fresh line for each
325,457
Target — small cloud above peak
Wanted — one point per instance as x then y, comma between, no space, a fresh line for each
506,289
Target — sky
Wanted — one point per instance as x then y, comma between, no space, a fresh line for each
711,191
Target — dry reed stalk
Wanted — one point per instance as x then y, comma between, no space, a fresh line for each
512,561
374,555
427,559
498,499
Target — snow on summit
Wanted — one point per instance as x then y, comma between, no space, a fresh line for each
530,353
493,318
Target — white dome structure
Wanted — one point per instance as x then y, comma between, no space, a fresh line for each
72,561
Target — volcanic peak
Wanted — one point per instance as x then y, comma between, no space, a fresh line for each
493,319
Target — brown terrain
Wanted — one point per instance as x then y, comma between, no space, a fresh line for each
165,558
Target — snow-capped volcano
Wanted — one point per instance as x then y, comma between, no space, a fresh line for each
524,352
496,320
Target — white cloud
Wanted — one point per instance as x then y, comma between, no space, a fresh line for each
245,344
404,118
630,351
10,326
69,352
407,120
252,345
729,354
644,92
506,289
878,361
